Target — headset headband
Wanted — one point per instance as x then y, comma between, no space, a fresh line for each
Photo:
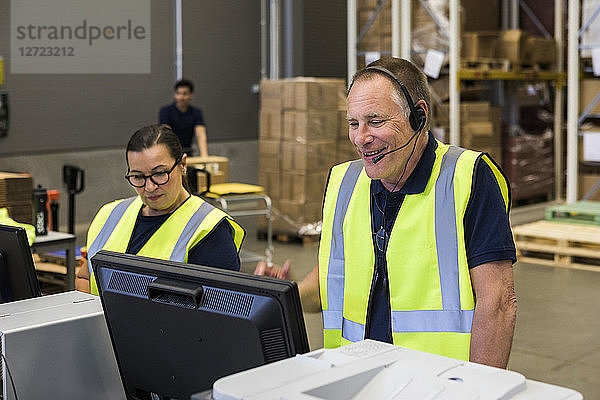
390,75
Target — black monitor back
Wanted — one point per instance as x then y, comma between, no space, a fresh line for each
176,328
18,280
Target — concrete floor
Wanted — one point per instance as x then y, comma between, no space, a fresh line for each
557,338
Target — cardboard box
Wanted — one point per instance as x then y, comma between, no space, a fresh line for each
311,93
309,126
586,183
539,50
588,89
302,212
345,151
310,157
303,186
479,44
216,165
270,124
269,155
270,94
271,181
470,132
511,46
470,111
214,179
342,125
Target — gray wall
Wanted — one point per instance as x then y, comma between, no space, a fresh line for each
54,112
221,41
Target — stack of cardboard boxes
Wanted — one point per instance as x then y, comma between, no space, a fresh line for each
16,191
479,126
513,45
298,143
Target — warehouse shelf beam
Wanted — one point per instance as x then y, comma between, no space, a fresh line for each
178,42
263,39
558,100
406,28
454,60
351,38
274,36
572,98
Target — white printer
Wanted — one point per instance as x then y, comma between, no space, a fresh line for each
375,370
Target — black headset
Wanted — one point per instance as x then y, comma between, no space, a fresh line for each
417,117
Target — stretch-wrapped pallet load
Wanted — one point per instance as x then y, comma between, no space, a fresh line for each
298,143
16,191
529,164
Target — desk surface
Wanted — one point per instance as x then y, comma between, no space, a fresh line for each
53,236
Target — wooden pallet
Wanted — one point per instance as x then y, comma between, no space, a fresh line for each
581,212
485,64
289,237
559,244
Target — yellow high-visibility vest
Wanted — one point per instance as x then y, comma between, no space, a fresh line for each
112,227
431,297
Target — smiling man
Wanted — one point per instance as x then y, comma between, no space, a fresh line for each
436,274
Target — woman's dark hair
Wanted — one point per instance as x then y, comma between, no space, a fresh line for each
153,135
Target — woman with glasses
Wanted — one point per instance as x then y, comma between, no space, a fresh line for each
164,220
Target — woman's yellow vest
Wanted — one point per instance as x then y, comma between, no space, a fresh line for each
112,227
431,298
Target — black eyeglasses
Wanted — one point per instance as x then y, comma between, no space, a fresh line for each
158,178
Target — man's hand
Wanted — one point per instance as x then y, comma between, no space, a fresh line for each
274,271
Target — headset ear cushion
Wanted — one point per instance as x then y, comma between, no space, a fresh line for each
417,118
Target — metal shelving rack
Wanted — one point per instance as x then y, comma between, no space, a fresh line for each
401,47
573,117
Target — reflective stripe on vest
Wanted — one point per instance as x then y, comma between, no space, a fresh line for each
332,317
179,251
451,318
107,229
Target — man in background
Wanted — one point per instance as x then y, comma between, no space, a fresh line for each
185,120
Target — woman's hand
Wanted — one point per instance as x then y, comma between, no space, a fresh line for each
273,270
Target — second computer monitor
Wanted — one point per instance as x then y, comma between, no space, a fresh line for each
176,328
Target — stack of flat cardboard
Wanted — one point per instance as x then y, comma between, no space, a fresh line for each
16,191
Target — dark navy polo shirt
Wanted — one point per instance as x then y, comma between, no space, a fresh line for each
183,124
217,249
488,236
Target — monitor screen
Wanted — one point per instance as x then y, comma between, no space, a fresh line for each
176,328
18,280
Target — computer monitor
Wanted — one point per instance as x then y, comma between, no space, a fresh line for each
18,280
176,328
